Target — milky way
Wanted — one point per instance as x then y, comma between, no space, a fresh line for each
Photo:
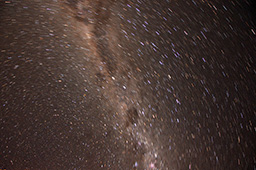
129,84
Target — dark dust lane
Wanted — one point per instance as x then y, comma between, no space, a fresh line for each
127,85
117,78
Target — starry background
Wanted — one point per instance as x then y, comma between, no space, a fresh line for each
130,84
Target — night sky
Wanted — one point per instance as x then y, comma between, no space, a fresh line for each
127,84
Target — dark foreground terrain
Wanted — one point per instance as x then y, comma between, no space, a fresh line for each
129,84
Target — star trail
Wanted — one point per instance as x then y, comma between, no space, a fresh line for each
129,84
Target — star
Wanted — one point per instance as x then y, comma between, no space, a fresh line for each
152,165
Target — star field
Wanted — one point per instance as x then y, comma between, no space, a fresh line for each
130,84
